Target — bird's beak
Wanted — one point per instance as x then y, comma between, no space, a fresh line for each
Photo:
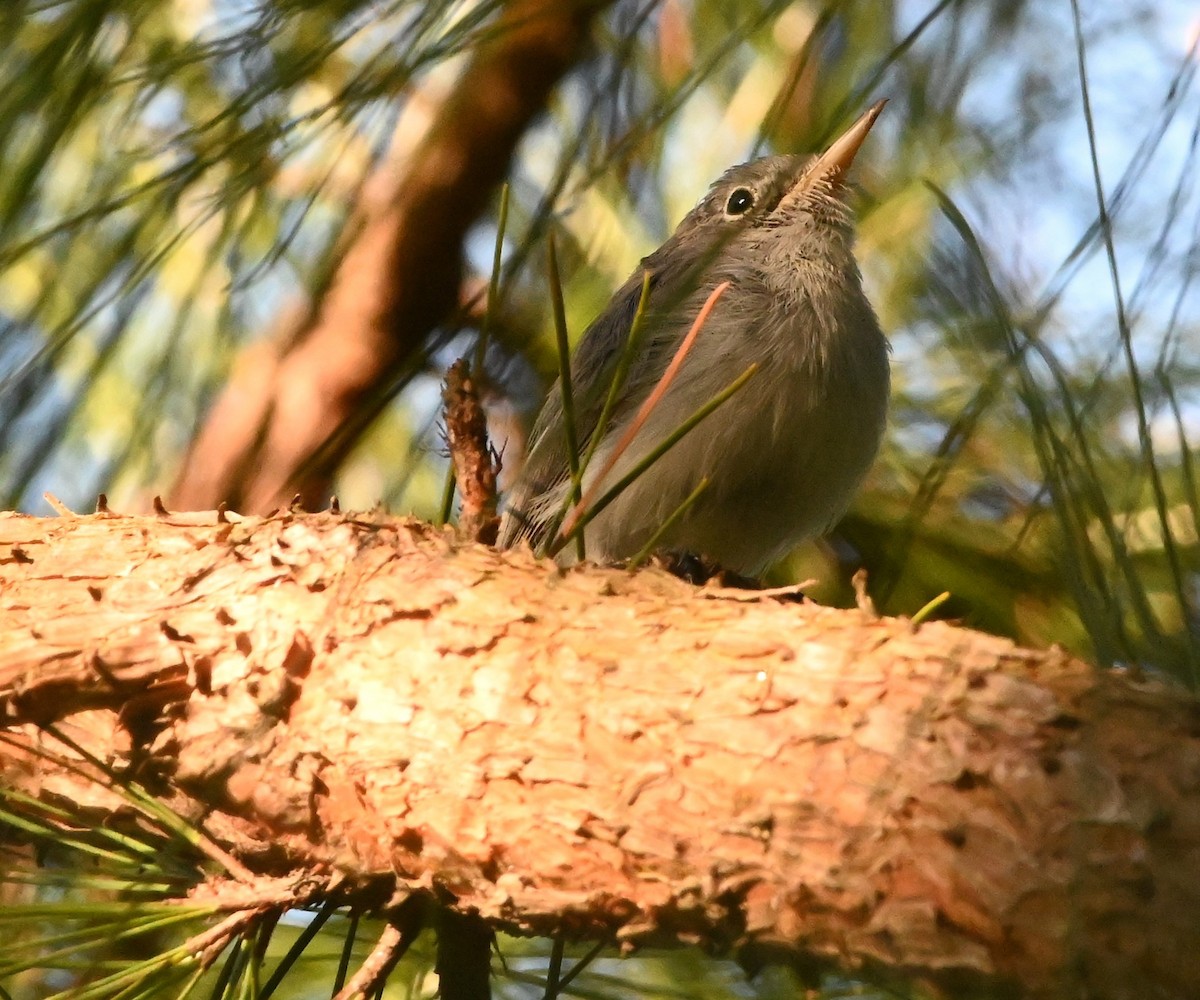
833,165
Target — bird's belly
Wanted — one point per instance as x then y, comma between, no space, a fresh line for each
779,472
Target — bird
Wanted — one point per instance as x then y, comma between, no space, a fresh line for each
783,457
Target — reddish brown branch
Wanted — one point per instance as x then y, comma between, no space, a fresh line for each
402,928
276,430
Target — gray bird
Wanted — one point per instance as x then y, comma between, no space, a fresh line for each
784,455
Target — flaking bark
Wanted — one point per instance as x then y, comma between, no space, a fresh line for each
603,754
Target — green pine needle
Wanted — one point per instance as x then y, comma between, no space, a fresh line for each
564,381
675,517
629,351
654,455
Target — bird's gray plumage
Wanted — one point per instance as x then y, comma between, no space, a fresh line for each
785,454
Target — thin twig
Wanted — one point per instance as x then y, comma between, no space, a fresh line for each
472,460
474,515
403,926
207,945
60,508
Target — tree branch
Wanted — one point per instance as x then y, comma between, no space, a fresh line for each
600,754
280,427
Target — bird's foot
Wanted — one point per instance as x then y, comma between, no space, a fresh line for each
702,571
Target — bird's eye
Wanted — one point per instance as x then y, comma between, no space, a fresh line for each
740,202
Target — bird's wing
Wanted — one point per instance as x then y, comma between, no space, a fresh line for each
592,367
676,269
